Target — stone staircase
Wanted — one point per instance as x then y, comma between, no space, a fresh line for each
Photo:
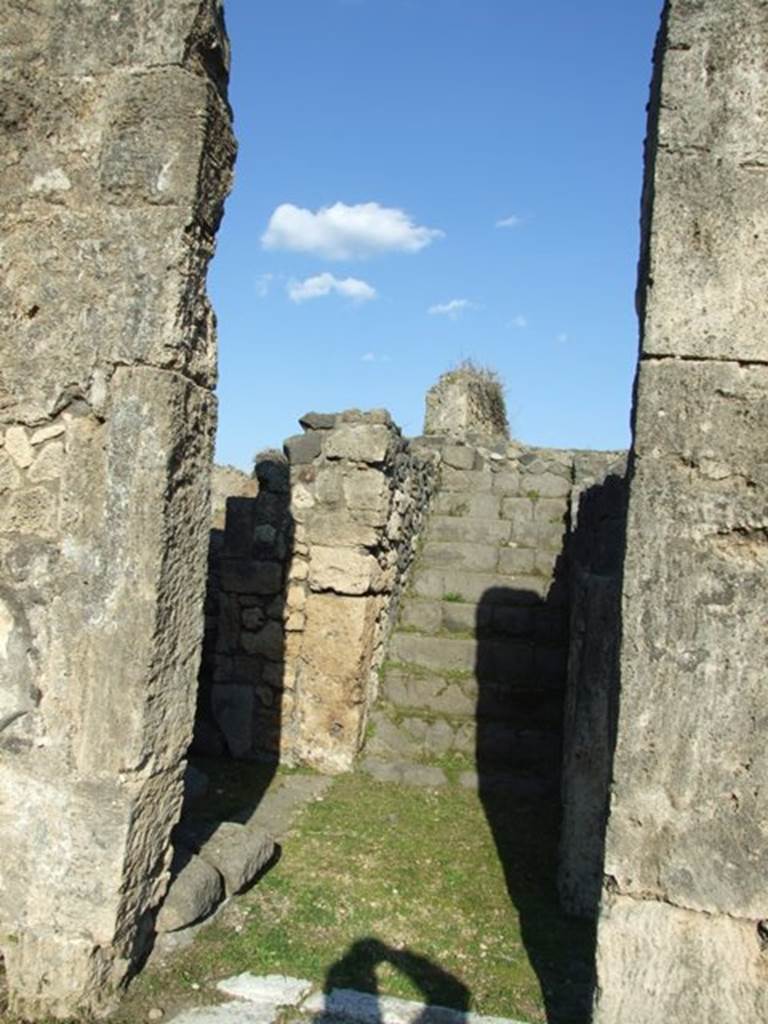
474,679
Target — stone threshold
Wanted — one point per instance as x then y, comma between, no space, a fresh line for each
263,1000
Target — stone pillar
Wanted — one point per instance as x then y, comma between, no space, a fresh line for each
467,404
117,156
683,931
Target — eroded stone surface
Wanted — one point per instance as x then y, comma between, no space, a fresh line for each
119,158
687,841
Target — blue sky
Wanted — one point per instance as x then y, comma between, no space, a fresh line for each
423,181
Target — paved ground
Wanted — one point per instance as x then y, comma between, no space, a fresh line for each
275,998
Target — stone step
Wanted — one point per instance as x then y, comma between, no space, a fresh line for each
421,738
486,659
432,617
516,704
468,529
469,587
460,555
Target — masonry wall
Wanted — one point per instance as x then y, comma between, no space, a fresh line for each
682,932
305,583
117,155
596,554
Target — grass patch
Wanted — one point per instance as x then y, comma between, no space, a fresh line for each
400,889
454,597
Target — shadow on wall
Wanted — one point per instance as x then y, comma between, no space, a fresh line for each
356,971
521,672
241,692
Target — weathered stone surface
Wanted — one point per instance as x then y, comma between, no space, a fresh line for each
276,989
194,893
466,403
359,442
237,852
344,571
334,668
656,949
475,557
302,448
318,421
687,841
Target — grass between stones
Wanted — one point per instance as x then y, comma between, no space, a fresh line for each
400,889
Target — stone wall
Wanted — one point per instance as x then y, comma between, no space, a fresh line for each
596,552
117,155
467,404
683,930
307,579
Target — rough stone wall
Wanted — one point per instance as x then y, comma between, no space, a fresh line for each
307,578
467,404
596,552
117,156
682,933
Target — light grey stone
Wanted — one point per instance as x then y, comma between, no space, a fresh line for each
277,989
229,1013
359,442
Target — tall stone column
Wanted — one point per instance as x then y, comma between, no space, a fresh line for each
683,931
117,155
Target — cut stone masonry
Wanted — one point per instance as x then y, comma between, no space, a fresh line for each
117,157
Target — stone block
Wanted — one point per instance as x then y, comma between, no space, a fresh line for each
475,481
459,456
517,561
367,489
318,421
243,576
507,483
359,442
545,485
195,891
233,708
475,557
339,529
237,852
424,616
437,654
465,529
657,949
268,642
344,571
301,449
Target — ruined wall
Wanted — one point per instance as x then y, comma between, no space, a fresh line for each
596,553
117,156
682,933
467,404
305,581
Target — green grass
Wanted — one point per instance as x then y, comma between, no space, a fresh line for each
453,596
400,890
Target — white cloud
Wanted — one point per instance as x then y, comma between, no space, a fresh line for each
263,284
509,222
371,357
342,232
323,284
452,309
520,322
562,338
